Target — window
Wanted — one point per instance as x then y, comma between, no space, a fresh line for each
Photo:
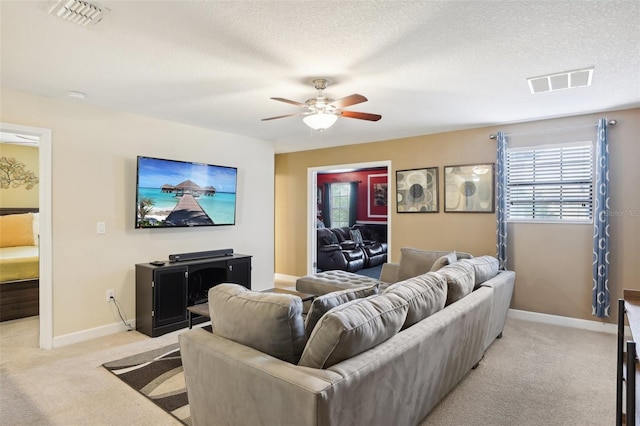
340,195
551,183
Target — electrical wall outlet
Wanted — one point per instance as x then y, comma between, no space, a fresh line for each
111,294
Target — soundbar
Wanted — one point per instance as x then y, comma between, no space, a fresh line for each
181,257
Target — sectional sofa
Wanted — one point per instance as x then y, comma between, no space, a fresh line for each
362,355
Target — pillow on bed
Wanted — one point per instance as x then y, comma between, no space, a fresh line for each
16,230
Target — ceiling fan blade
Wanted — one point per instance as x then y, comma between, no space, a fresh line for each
289,102
348,101
360,115
280,116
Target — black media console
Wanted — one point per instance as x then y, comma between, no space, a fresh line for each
163,292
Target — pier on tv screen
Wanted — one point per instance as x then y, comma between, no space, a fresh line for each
172,193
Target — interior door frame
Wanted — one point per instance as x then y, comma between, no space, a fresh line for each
45,222
312,206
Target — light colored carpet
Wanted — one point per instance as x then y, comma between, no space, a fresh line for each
536,375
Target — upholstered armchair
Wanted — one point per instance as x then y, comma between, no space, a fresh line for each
332,254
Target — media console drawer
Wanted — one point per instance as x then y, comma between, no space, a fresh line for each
163,292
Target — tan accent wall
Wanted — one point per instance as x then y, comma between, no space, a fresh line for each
552,261
20,196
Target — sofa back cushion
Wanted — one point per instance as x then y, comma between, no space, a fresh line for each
352,328
414,262
322,304
326,237
269,322
425,294
460,278
485,268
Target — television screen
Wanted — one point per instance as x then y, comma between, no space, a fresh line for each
172,193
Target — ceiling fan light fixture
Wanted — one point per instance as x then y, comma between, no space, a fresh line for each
320,120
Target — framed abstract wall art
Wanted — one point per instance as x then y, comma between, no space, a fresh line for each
469,188
417,190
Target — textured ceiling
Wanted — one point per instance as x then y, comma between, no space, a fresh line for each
425,66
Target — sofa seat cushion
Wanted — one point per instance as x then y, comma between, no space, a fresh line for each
425,295
323,304
460,278
352,328
269,322
485,267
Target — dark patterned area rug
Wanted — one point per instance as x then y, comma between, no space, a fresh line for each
158,375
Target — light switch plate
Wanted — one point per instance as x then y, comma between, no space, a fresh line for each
101,227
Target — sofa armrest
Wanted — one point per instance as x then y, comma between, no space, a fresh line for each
389,273
502,286
229,383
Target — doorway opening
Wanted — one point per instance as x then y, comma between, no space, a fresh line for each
372,180
43,136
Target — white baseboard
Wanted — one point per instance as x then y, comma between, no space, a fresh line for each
603,327
600,326
92,333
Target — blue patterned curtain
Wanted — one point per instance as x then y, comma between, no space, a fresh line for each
501,200
600,302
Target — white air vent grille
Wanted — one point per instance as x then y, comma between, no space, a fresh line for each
78,11
560,81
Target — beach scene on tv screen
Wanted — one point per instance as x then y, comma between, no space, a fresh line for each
175,193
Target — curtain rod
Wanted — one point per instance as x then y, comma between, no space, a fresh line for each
610,123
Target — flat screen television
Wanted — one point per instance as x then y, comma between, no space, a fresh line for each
171,193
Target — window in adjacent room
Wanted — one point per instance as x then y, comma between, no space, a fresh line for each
550,183
340,195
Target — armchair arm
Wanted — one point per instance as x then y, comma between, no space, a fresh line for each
330,247
348,245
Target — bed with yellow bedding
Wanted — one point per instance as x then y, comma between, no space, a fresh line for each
19,263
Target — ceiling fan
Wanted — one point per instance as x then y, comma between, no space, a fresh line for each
322,112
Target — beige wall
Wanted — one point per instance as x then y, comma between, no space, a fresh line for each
20,196
552,262
94,174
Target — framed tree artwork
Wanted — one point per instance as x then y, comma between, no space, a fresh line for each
469,188
417,190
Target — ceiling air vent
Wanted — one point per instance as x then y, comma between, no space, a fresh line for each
560,81
78,11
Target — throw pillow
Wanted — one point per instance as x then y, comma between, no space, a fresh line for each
323,304
425,295
353,328
414,262
445,260
356,237
269,322
460,278
485,267
16,230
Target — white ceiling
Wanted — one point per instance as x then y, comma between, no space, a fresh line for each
425,66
